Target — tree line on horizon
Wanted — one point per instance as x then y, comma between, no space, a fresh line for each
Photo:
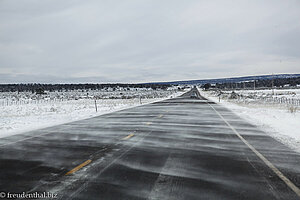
261,83
36,87
40,88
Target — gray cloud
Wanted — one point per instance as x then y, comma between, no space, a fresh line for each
140,41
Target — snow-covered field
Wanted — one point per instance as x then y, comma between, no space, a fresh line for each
278,120
276,93
30,113
19,98
288,93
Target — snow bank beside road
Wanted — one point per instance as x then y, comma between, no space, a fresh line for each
276,121
17,119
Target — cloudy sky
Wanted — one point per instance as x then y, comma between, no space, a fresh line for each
146,40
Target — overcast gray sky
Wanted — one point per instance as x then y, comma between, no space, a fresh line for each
146,40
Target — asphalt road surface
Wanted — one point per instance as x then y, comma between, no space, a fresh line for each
181,148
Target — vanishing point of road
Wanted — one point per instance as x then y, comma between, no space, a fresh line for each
181,148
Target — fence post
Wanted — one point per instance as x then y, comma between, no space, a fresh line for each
96,106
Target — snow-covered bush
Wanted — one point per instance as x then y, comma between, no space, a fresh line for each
292,109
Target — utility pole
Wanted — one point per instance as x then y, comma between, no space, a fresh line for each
254,85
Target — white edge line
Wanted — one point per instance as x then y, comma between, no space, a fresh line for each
289,183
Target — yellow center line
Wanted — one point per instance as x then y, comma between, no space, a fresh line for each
89,161
128,136
79,167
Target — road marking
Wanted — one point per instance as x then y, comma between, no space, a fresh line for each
160,116
84,185
128,136
79,167
289,183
